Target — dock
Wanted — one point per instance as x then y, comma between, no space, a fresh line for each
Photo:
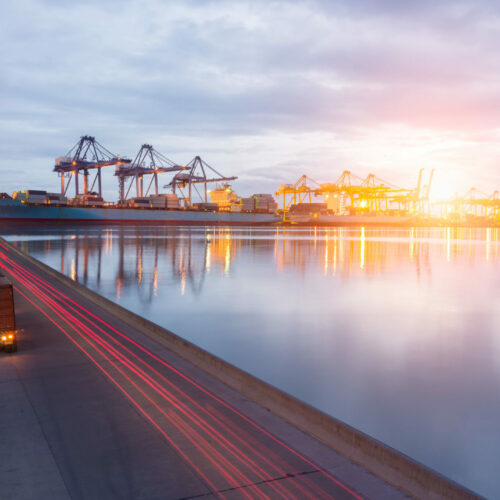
101,403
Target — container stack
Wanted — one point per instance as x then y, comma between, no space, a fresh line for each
30,196
171,200
164,200
56,199
265,203
206,207
248,204
157,201
138,203
87,200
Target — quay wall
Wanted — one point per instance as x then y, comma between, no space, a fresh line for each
385,462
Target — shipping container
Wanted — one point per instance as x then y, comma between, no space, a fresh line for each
138,203
56,199
87,200
248,204
308,208
30,196
265,203
206,207
157,201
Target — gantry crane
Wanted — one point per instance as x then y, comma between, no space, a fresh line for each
300,192
369,194
374,194
196,173
87,154
147,162
472,203
494,204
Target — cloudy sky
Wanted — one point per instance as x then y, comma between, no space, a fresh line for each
263,90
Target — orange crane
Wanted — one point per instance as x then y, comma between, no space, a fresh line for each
300,192
473,203
371,194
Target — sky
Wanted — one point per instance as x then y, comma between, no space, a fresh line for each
263,90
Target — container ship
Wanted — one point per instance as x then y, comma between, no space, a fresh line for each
188,202
36,205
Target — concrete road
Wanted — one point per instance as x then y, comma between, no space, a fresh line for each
92,409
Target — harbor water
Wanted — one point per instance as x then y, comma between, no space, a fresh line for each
394,331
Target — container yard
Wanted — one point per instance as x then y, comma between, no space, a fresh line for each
353,200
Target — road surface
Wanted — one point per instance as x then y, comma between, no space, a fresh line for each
92,409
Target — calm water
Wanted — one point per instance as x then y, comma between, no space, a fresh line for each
394,331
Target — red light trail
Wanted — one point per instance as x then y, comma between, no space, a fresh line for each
215,439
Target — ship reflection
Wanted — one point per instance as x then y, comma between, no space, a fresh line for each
142,258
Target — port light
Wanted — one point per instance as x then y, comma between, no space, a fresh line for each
11,336
4,337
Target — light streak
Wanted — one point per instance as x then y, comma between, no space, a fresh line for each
74,325
93,360
201,419
72,321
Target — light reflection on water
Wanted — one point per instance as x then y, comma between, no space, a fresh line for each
395,331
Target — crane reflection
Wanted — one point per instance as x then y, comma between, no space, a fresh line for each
144,258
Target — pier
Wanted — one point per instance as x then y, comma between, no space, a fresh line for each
102,403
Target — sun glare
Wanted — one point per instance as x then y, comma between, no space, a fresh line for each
442,190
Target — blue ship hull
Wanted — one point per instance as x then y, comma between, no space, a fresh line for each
15,211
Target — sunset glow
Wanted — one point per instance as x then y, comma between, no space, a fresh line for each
370,87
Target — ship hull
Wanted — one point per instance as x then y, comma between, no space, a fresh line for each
353,220
12,211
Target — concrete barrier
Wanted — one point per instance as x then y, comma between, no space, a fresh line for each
385,462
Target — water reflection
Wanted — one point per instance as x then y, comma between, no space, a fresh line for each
134,257
135,252
396,331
